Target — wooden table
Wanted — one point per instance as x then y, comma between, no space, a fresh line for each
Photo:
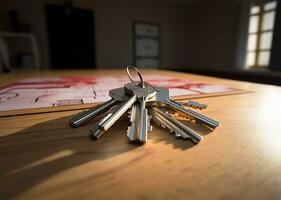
41,157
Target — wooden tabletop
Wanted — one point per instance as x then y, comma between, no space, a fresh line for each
41,157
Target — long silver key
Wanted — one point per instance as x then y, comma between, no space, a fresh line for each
85,116
162,96
132,131
143,121
190,113
139,117
98,130
192,134
165,123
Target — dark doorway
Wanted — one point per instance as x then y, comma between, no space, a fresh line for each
71,36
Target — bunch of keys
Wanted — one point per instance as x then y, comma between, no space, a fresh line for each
145,102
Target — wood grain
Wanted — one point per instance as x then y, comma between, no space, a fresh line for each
42,158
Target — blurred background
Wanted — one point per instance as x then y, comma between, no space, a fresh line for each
237,39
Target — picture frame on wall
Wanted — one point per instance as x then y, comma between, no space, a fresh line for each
146,44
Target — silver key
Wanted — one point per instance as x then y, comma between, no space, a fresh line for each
162,97
143,121
132,131
135,131
139,117
188,133
165,123
83,117
111,118
137,92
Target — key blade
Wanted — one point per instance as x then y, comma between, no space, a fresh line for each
143,121
131,132
190,113
158,122
165,123
132,129
162,97
192,134
149,127
203,118
85,116
98,130
118,113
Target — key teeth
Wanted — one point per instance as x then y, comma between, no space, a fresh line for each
159,124
194,105
149,127
156,121
128,130
131,133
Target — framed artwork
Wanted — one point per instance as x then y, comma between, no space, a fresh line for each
146,44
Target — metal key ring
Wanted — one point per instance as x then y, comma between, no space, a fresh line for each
138,72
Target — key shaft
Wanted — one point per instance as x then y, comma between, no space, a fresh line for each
85,116
193,135
133,128
190,113
164,122
118,113
143,121
111,118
